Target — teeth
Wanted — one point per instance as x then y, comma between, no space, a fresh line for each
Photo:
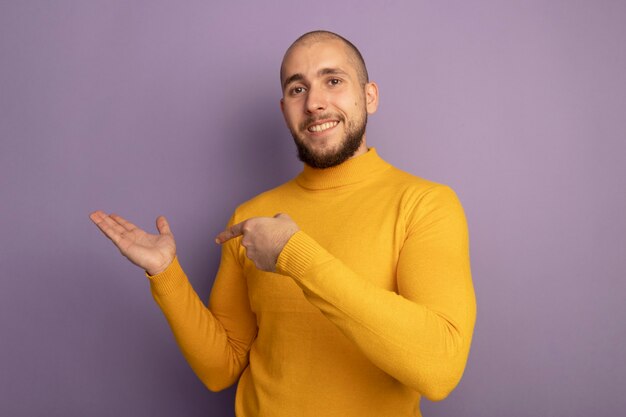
323,126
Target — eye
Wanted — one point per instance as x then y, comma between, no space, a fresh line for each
297,90
334,81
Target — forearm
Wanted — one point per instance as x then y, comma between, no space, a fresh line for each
216,358
415,343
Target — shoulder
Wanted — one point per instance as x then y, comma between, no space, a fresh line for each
414,188
421,200
264,204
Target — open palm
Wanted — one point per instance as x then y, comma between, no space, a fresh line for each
152,252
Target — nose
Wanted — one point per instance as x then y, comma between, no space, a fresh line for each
316,100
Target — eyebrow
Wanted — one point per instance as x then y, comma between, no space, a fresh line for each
324,71
292,79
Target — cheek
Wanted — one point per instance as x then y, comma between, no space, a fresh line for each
289,116
349,101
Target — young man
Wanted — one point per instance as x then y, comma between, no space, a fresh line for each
346,291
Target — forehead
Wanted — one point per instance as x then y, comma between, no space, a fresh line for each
307,58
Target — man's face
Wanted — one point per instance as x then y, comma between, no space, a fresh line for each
324,104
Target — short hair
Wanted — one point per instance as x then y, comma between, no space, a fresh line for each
354,55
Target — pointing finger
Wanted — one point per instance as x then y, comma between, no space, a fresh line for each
230,233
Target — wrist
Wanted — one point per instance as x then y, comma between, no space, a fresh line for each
168,281
160,269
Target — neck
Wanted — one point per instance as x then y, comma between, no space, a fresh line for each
359,168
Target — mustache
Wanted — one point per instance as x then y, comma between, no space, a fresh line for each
311,120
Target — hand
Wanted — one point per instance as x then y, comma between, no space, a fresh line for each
263,237
153,253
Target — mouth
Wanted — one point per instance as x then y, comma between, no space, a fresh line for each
323,126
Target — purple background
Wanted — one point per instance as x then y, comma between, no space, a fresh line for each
155,107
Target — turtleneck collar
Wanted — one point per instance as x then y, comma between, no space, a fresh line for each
352,171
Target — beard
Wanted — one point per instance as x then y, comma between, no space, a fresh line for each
350,143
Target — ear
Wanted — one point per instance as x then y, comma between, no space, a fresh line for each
282,106
371,97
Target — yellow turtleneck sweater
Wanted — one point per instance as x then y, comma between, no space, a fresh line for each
371,307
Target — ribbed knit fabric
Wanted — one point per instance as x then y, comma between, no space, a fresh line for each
371,307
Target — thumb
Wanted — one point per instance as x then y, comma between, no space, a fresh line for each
282,216
163,225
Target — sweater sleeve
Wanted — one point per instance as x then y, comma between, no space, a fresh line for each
420,335
215,340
